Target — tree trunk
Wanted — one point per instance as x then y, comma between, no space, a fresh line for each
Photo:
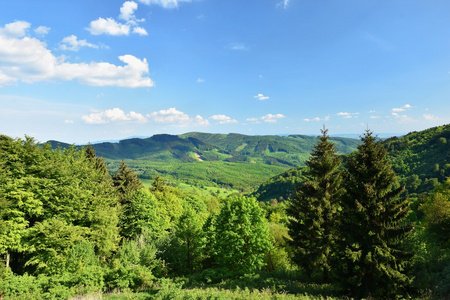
7,259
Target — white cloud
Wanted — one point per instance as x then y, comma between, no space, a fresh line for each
176,117
199,120
140,31
108,26
16,29
403,108
127,10
28,60
42,30
347,115
171,115
71,43
430,117
374,117
269,118
223,119
164,3
68,121
113,115
316,119
200,80
261,97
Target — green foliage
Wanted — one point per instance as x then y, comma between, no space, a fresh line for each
131,267
424,154
432,244
281,186
314,212
184,253
241,235
53,199
140,214
125,180
374,259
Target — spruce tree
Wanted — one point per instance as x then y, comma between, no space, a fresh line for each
126,180
374,259
314,211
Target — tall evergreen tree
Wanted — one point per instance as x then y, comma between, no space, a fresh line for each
375,261
126,180
314,211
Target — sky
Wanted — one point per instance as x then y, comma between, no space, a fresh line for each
92,70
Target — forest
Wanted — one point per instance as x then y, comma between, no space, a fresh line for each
371,222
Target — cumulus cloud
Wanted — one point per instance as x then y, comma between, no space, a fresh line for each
222,119
42,30
108,26
261,97
71,43
200,80
164,3
403,108
347,115
16,29
176,117
269,118
28,60
127,10
171,115
113,115
140,31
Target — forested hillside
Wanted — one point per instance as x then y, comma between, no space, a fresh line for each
212,161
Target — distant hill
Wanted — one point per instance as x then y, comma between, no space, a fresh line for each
286,151
420,159
232,160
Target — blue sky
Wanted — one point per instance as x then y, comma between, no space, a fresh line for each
89,70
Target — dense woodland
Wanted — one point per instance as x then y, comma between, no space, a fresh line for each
373,223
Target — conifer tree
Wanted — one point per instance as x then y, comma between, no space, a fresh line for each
314,211
126,180
97,162
374,259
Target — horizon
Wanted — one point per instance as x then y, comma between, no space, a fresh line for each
342,135
113,69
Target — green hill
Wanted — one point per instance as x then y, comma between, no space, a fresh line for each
190,147
232,160
425,153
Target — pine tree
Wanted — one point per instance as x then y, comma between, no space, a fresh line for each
374,259
126,180
97,162
314,211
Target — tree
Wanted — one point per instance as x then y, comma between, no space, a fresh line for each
241,235
126,180
374,258
314,211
